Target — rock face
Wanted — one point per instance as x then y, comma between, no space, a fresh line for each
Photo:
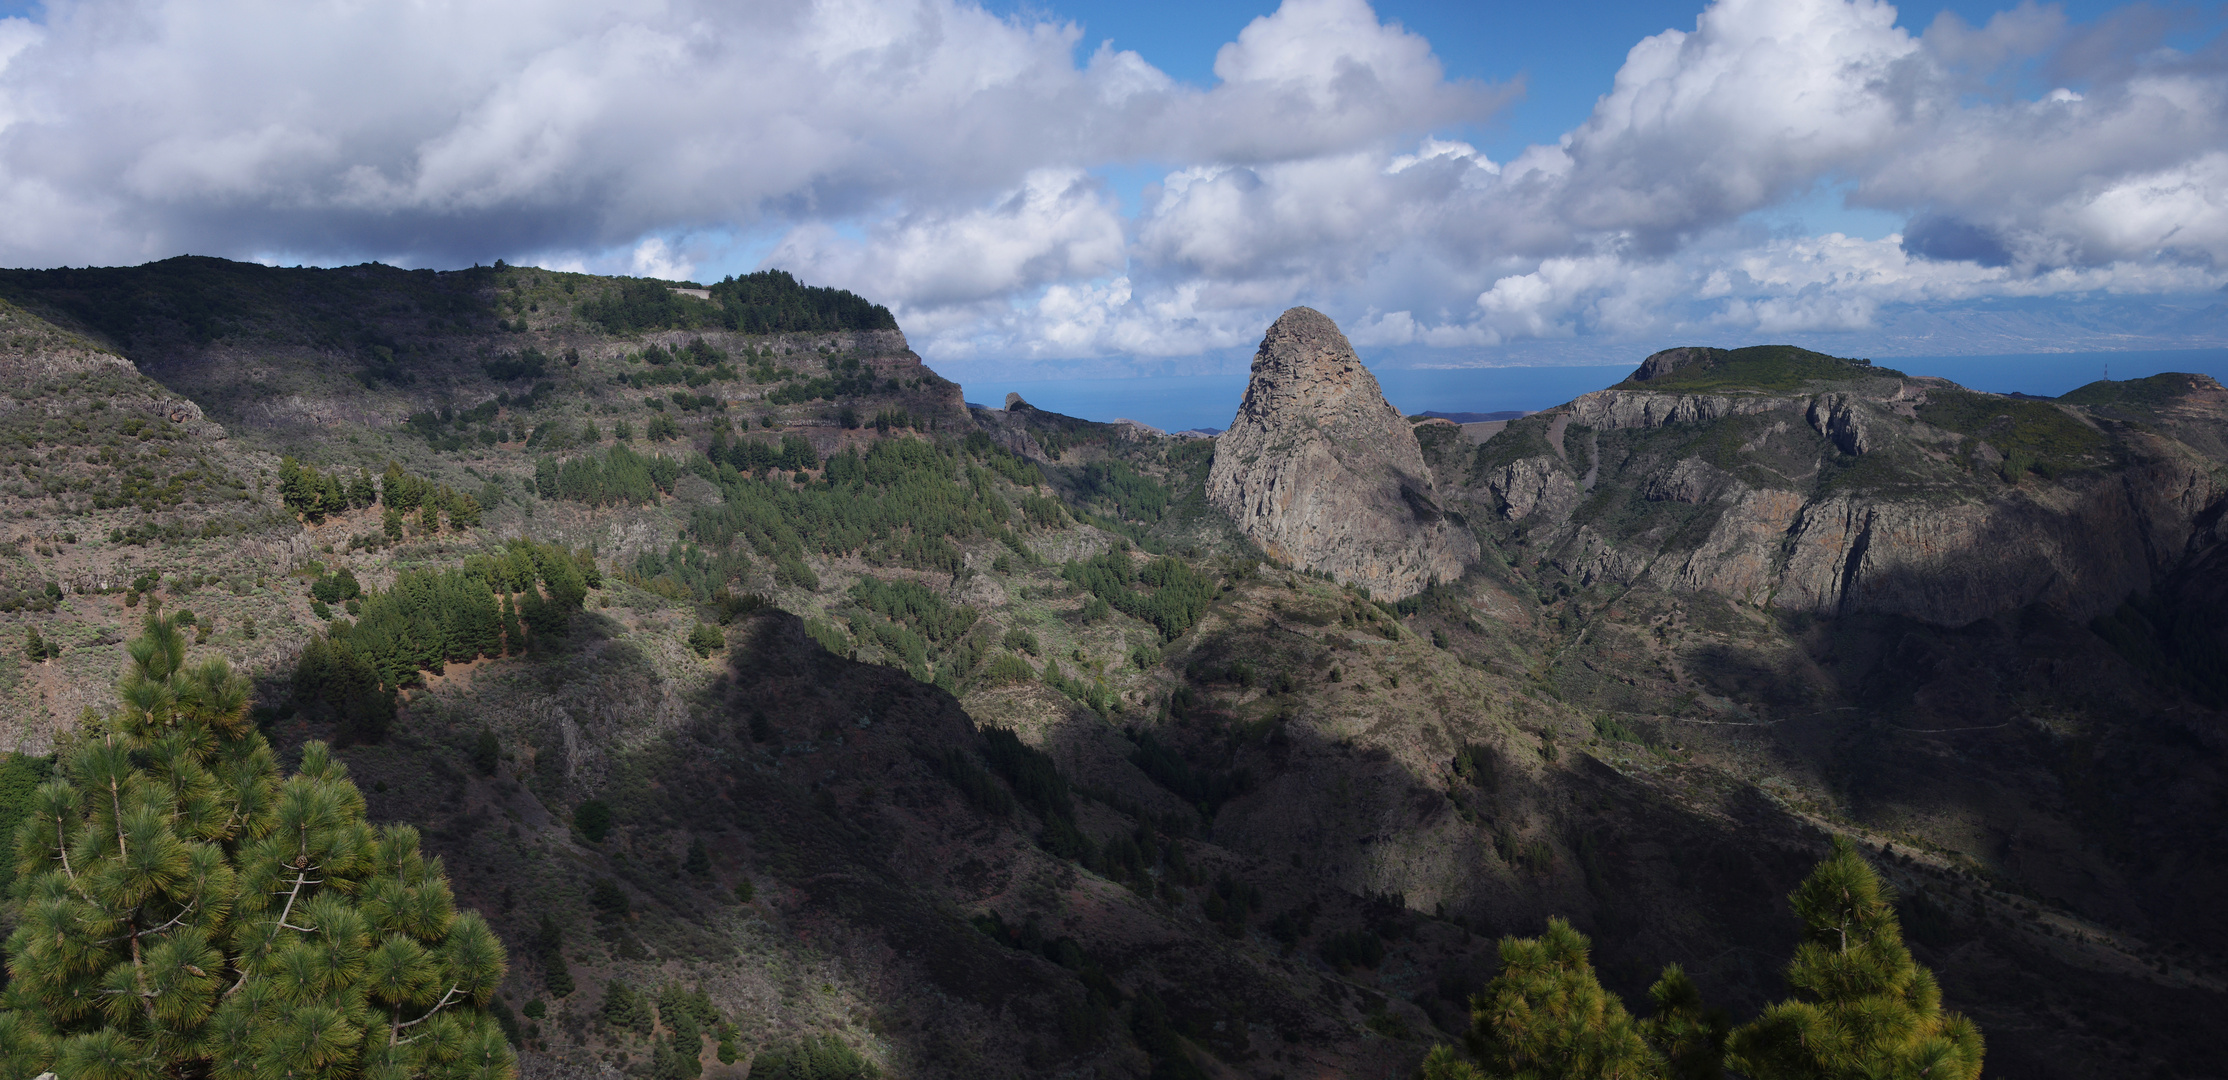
1322,472
1849,499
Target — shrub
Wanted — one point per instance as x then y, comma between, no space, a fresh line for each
486,753
706,639
1006,669
593,819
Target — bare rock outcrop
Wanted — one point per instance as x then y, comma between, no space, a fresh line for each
1838,417
1321,471
1534,485
1627,409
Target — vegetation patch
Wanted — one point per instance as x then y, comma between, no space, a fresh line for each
903,503
2146,393
1172,598
767,302
2031,434
1761,367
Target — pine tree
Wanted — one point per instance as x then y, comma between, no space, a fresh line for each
514,634
1690,1036
1863,1008
37,649
549,946
1547,1016
362,491
464,512
399,489
183,909
290,483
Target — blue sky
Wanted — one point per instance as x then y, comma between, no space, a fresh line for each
1459,184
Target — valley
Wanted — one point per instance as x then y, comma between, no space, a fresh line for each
724,654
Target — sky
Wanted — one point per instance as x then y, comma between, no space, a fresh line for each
1045,189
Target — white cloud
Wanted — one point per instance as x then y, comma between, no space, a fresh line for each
1058,225
940,159
1762,98
652,258
444,130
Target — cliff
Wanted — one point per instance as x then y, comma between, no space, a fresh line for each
1858,490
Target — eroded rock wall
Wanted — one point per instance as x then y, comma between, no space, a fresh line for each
1920,547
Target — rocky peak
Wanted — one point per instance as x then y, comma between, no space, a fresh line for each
1659,364
1322,472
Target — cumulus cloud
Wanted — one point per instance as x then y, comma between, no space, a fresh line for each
1637,224
438,131
942,159
1057,225
1757,102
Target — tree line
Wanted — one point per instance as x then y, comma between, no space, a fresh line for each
492,606
766,302
794,453
313,495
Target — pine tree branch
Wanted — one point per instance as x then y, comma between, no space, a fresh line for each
301,878
139,975
451,992
62,852
116,802
164,928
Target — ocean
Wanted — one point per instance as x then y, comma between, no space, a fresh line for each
1176,403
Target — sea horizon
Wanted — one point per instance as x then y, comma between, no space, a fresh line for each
1193,402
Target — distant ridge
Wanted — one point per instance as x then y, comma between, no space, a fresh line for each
1475,417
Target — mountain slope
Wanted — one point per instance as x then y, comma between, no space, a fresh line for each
765,625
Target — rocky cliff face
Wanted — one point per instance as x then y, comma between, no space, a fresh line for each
1322,472
1873,493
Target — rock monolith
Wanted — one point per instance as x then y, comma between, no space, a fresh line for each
1322,472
